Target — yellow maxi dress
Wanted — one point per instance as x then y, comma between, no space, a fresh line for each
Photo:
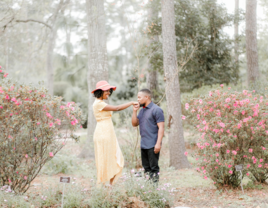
108,155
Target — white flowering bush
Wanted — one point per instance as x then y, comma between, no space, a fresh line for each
154,195
233,130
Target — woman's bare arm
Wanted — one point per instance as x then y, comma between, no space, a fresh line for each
119,107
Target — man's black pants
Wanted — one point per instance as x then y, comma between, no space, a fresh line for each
150,163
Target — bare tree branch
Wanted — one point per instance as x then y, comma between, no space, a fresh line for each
34,20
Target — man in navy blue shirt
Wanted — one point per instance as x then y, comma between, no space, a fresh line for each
151,121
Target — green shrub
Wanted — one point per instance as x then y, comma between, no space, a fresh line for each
152,194
106,198
61,164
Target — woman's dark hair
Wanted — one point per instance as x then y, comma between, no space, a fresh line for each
99,93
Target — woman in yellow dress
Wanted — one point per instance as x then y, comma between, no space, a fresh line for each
108,155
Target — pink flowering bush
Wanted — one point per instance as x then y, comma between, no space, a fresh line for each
34,127
233,130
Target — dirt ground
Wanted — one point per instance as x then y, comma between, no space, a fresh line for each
191,189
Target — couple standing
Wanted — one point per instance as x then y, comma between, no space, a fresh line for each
108,156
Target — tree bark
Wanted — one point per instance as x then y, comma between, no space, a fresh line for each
97,62
51,46
251,42
176,138
236,27
151,78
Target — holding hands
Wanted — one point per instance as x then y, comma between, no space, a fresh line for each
136,106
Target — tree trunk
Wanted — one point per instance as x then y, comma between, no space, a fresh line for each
176,138
97,62
51,46
151,78
50,70
6,39
251,42
236,25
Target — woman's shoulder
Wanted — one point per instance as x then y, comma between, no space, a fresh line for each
99,104
96,102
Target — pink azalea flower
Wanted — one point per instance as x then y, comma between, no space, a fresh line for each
247,174
231,172
222,125
187,106
26,156
248,165
217,160
263,148
185,153
51,154
222,85
25,177
210,94
227,100
35,138
250,150
227,151
243,112
217,154
260,165
261,160
5,75
204,122
50,124
38,123
183,117
200,101
234,152
205,177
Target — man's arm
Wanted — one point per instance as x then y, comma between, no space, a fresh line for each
161,129
135,120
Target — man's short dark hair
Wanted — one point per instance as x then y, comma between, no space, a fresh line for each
147,91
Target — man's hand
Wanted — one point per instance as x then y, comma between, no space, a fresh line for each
157,148
136,107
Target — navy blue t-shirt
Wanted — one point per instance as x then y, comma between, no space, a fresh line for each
149,117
